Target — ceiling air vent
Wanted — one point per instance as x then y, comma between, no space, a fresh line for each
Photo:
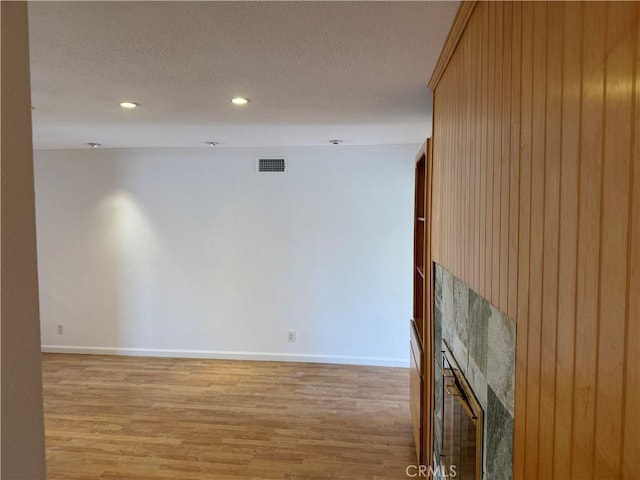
272,164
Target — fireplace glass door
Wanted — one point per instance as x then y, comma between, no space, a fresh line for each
462,425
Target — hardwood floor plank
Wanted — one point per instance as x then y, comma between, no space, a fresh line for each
111,417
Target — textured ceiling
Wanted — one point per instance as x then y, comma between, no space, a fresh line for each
314,71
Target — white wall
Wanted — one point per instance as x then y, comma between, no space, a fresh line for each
193,253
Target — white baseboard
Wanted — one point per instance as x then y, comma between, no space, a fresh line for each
221,355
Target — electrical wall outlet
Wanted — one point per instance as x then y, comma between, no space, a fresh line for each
291,336
60,329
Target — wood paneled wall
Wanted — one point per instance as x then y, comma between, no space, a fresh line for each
537,207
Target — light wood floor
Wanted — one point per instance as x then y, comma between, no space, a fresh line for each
111,417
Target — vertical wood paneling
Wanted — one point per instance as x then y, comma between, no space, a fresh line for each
536,166
457,169
514,158
569,194
467,180
551,227
496,191
614,236
589,218
504,159
538,132
631,439
526,101
483,10
488,193
477,132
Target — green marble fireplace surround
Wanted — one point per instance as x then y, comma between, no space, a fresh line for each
482,339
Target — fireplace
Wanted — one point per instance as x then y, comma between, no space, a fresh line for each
474,350
462,423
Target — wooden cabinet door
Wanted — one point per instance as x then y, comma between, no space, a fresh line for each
416,389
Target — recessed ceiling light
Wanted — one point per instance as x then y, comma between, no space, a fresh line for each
239,101
94,145
335,142
211,144
129,104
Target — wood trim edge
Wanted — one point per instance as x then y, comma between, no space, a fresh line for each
455,33
422,152
428,354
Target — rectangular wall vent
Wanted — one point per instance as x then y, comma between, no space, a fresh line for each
272,165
